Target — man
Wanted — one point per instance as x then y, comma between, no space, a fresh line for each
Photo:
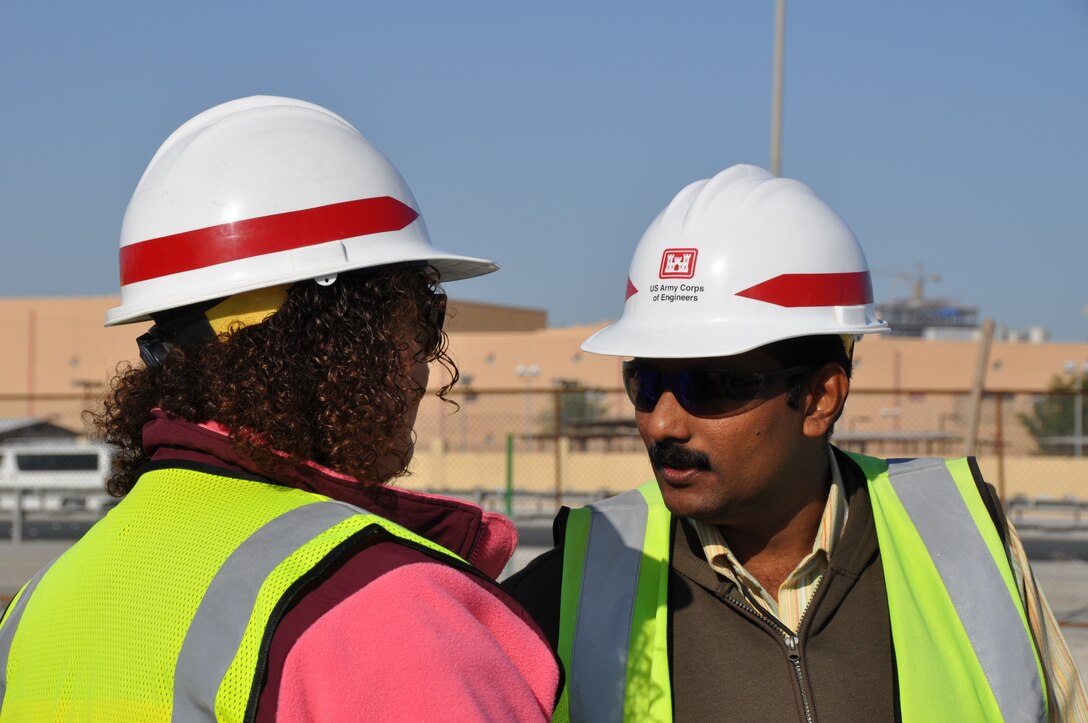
767,575
258,568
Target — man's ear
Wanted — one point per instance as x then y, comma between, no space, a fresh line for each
825,398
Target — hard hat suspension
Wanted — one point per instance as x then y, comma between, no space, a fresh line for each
217,318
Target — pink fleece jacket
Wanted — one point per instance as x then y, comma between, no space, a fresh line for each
392,634
419,643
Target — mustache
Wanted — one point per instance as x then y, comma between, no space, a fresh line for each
671,454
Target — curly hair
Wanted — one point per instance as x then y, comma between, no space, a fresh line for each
324,379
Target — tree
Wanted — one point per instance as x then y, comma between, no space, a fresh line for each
577,405
1053,415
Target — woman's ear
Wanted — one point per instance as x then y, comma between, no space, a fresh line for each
825,399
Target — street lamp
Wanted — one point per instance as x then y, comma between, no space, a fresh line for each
776,92
1077,370
469,396
528,372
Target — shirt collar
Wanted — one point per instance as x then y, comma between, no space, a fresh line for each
828,533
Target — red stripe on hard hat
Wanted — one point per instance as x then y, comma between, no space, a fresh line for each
264,235
794,290
631,290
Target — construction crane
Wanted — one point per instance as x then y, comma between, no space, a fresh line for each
918,314
917,281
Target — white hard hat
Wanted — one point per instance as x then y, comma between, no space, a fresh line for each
263,191
736,262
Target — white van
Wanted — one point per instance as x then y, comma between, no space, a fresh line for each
55,476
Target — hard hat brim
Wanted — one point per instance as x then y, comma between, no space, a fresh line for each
450,267
697,341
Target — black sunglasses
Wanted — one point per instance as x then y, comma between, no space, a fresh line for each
702,392
438,310
430,333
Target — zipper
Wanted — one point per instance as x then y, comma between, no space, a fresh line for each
792,641
795,658
793,645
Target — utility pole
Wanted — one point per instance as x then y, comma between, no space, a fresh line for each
776,93
1077,370
974,411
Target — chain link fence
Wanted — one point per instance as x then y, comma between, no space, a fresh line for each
527,450
62,410
544,447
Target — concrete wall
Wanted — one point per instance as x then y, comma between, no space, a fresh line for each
437,469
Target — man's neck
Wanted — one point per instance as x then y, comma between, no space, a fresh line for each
772,547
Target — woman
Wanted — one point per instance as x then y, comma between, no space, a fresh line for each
258,566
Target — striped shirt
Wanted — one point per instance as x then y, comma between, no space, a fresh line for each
1064,685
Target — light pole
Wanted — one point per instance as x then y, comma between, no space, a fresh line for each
1078,414
528,372
469,396
1077,370
776,92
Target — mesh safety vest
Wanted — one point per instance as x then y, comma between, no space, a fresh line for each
963,648
165,608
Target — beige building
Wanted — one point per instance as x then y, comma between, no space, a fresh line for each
58,351
492,360
59,356
910,396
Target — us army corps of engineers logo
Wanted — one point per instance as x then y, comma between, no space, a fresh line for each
677,264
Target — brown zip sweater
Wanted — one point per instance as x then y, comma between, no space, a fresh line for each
729,662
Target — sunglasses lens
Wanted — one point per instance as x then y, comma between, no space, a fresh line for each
707,392
430,325
643,387
703,392
438,311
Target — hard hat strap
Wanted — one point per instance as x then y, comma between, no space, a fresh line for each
208,320
175,328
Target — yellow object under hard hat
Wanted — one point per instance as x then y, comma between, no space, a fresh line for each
246,309
219,321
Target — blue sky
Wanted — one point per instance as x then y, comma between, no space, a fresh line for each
546,136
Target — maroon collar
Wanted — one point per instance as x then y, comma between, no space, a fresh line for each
453,524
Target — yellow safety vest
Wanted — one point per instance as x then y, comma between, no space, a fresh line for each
963,652
164,609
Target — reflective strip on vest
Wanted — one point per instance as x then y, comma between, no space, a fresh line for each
10,623
215,634
935,534
609,645
272,539
950,586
